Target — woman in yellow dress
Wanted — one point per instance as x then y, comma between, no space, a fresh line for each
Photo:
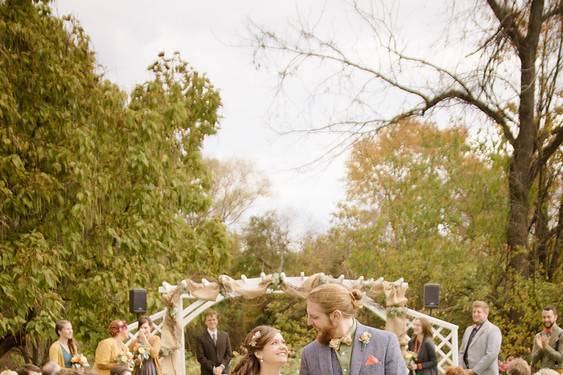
62,350
109,350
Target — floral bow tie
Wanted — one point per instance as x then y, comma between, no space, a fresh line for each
335,343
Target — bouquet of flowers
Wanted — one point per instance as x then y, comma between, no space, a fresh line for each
140,353
79,361
126,358
410,359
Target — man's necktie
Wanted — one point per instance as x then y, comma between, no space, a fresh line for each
214,337
473,333
335,343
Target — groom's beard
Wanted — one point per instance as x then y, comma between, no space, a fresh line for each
326,334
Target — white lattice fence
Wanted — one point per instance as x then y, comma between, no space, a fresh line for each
445,339
445,333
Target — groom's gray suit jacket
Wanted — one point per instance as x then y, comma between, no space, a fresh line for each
318,359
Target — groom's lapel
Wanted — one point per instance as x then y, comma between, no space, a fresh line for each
325,359
358,355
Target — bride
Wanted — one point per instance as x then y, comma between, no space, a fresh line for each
265,352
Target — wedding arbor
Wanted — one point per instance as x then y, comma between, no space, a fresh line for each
171,321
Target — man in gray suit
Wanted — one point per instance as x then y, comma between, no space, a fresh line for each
481,342
343,345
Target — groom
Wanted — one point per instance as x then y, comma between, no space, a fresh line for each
343,345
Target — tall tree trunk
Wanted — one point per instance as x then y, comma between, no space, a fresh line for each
539,258
520,183
521,166
558,245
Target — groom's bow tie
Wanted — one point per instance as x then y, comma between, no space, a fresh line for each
344,340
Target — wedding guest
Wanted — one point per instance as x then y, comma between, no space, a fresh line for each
110,349
120,370
62,350
50,368
547,351
454,370
265,352
546,371
213,347
29,369
518,366
150,343
421,344
481,343
70,371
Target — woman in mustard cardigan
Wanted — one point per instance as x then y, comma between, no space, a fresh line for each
150,345
110,349
62,350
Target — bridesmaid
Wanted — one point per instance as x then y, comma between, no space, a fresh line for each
150,366
422,344
109,349
62,350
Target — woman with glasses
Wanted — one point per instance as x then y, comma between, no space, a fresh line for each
112,352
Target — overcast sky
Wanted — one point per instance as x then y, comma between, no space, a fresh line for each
128,35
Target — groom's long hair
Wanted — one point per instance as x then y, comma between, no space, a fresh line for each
332,297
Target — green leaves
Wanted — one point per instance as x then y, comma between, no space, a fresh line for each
95,193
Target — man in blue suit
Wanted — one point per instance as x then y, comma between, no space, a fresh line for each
344,346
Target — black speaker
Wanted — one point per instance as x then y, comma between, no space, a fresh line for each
431,295
138,301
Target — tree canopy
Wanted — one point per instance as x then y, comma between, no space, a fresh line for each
97,187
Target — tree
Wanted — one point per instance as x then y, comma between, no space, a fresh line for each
264,246
419,201
96,189
513,36
235,188
422,204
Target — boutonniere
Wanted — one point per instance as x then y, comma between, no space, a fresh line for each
372,361
364,339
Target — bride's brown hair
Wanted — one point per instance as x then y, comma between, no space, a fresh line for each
255,341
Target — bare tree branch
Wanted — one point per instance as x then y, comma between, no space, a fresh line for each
507,21
548,150
556,10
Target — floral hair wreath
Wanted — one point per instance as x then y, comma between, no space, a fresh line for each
255,337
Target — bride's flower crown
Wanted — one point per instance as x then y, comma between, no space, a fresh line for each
255,337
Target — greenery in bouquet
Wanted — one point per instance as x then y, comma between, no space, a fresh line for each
410,359
126,359
140,353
